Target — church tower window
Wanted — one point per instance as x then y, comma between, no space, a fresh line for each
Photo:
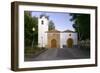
42,22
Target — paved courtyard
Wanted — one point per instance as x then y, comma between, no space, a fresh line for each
61,54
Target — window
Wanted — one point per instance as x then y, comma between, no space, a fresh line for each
69,34
42,22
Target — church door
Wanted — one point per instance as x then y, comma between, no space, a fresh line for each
53,43
69,43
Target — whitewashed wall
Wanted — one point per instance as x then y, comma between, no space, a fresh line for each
65,36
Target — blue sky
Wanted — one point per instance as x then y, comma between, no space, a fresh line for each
61,20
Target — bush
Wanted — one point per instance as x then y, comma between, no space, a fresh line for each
29,51
84,44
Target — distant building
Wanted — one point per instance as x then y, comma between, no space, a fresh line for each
54,38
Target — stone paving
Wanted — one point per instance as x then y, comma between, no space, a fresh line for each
61,54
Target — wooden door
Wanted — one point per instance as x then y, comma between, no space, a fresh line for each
53,43
70,43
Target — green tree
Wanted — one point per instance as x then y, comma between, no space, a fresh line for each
81,25
51,25
29,23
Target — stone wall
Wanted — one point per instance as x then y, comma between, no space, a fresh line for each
50,37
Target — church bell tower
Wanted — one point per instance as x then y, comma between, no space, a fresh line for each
43,22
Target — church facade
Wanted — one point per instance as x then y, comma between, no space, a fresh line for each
54,38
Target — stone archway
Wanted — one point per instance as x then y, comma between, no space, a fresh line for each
69,43
53,43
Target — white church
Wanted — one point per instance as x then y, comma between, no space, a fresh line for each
54,38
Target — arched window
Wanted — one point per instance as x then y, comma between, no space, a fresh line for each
42,22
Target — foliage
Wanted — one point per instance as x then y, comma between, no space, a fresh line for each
82,25
29,35
51,25
33,52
